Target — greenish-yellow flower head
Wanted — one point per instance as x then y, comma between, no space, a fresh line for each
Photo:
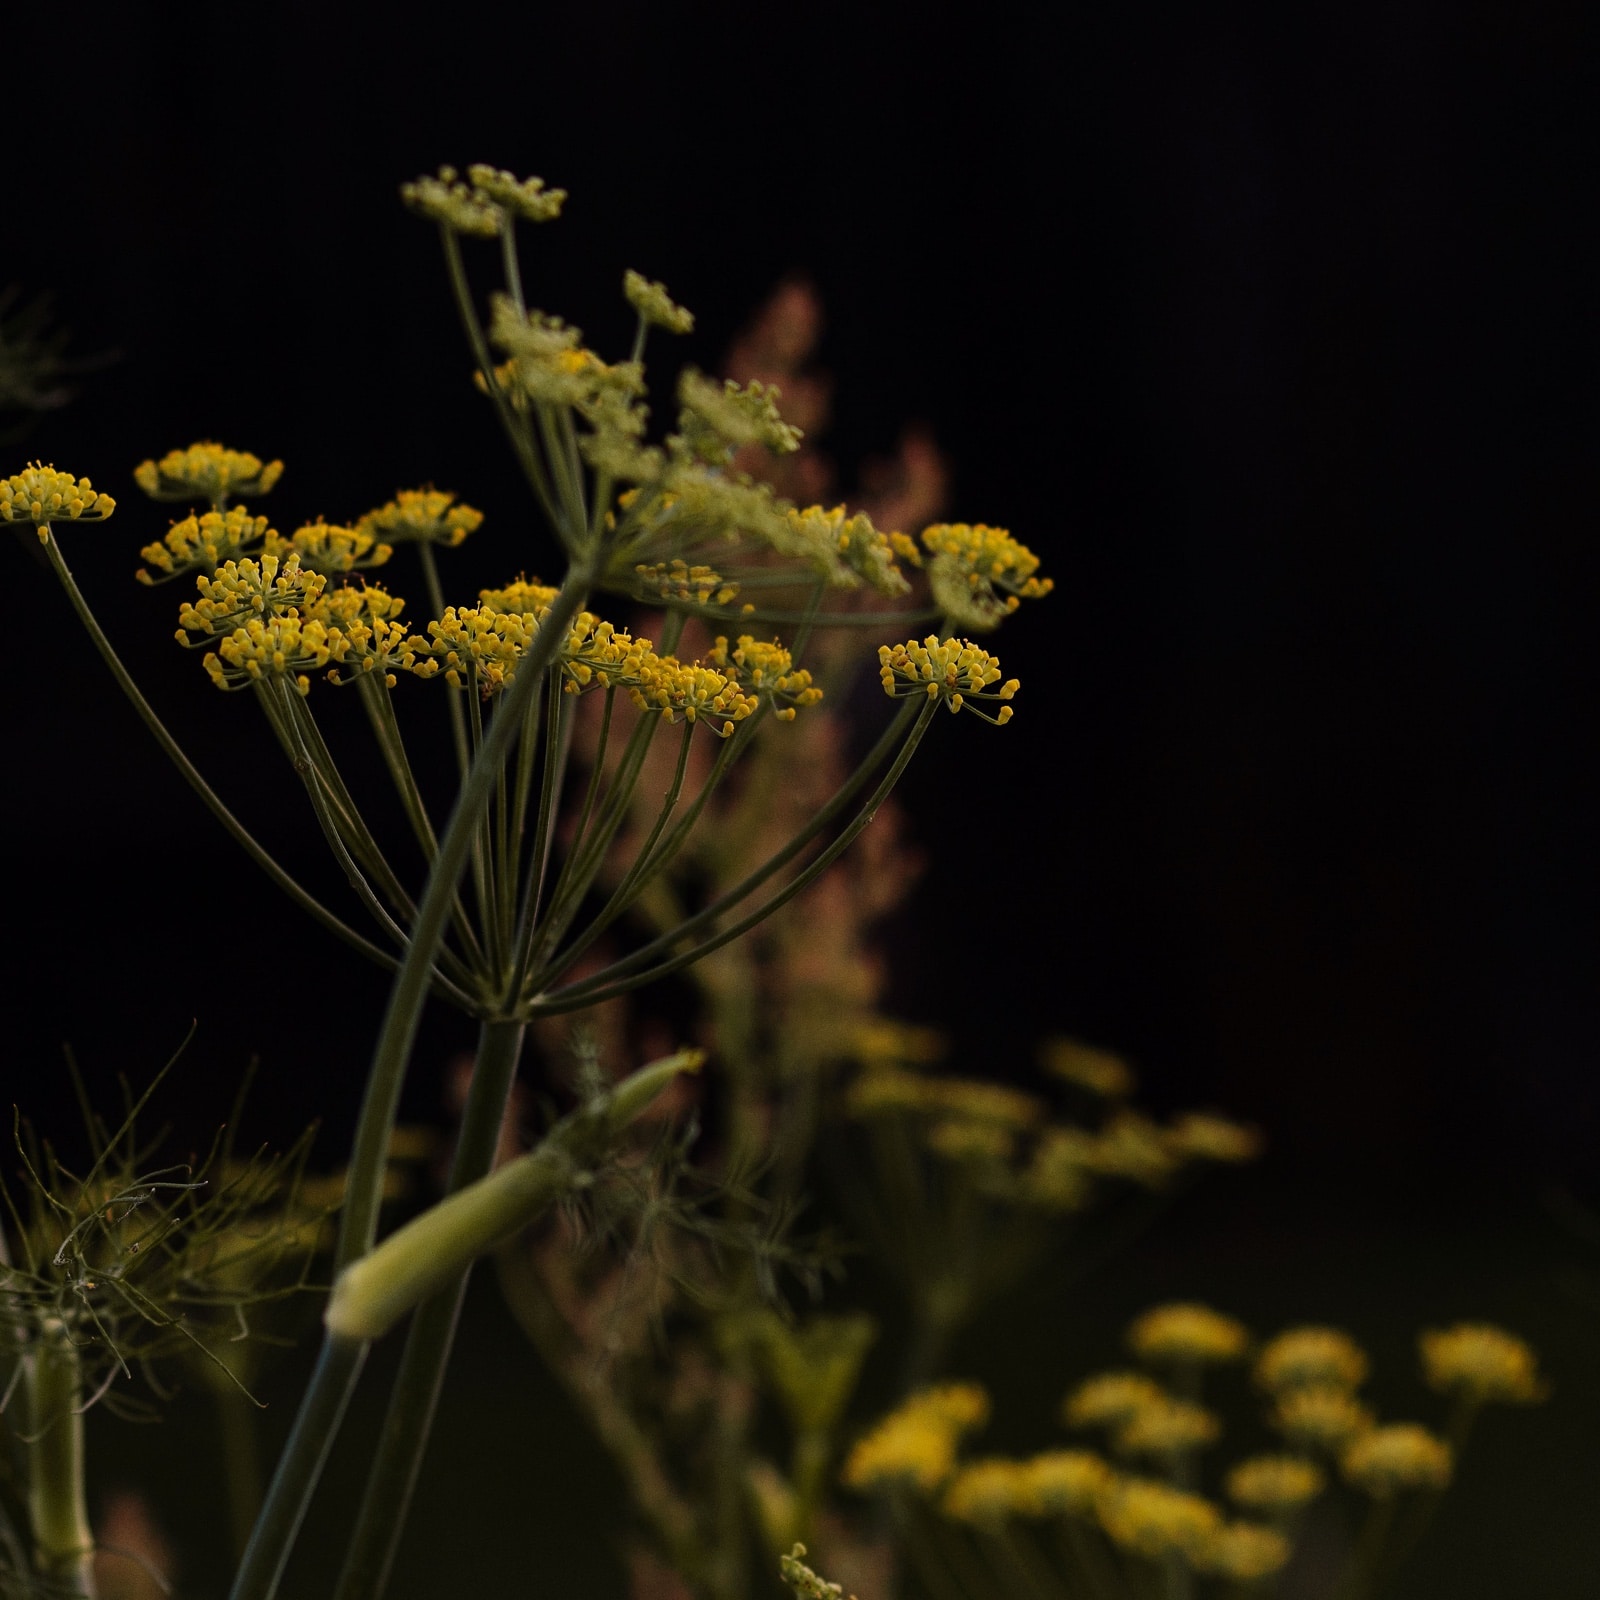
979,575
481,205
1481,1363
1311,1357
1275,1486
1066,1483
914,1447
1167,1427
1154,1520
421,516
768,671
654,305
41,495
1246,1552
331,547
1203,1136
1098,1071
1320,1417
1187,1333
1401,1456
1109,1399
988,1491
207,471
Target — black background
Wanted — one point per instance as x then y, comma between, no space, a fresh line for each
1274,336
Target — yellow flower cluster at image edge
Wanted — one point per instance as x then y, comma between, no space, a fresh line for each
1309,1375
40,495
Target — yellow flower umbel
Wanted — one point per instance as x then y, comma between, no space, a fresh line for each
914,1447
1311,1357
240,590
1246,1552
1066,1483
1187,1333
288,646
1167,1427
1275,1486
330,547
766,670
954,671
1098,1071
202,543
979,575
691,693
481,206
1481,1363
1109,1399
677,580
1202,1136
654,305
1320,1417
422,516
41,495
1401,1456
207,471
1150,1519
987,1491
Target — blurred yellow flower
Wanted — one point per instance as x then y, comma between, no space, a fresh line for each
1400,1456
1186,1332
1481,1363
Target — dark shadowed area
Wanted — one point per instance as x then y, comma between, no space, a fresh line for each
1276,338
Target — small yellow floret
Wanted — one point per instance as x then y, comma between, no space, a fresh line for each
1400,1456
207,471
41,495
1481,1363
1274,1486
1311,1356
1185,1332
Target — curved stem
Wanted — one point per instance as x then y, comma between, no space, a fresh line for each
318,1418
612,981
415,1396
300,895
458,725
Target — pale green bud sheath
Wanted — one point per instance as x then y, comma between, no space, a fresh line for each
374,1292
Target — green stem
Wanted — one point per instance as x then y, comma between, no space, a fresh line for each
316,1425
458,724
240,1461
301,896
340,1362
616,979
415,1396
62,1538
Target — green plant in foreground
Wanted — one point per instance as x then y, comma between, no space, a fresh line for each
504,902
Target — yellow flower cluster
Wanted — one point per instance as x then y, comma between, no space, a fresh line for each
1311,1357
480,206
421,516
598,654
41,495
1055,1483
1203,1136
1186,1333
1320,1417
766,670
204,541
524,595
241,590
207,471
1400,1456
969,1099
1165,1426
915,1445
654,305
1275,1486
1098,1071
677,580
1481,1363
365,631
1246,1552
977,1144
691,692
286,645
1152,1519
954,670
848,549
1110,1399
475,645
971,563
330,547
